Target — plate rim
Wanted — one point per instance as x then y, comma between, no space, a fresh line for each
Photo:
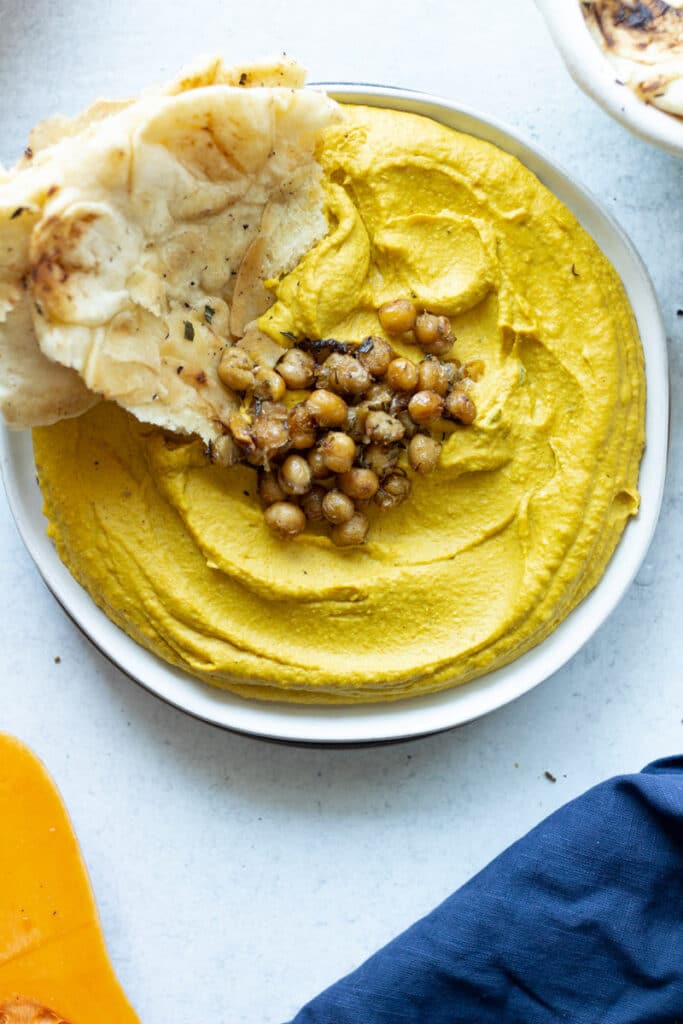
409,718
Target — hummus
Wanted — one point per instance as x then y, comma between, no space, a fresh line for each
490,552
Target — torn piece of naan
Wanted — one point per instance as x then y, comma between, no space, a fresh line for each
33,389
135,241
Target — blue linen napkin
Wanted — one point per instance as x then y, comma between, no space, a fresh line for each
580,921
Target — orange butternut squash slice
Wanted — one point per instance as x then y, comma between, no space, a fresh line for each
54,967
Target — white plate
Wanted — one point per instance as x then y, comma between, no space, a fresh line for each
419,715
593,72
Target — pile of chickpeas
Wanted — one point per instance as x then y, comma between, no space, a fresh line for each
366,420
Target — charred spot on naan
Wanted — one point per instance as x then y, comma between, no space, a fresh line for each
56,260
80,260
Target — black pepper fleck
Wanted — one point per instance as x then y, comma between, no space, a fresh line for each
189,331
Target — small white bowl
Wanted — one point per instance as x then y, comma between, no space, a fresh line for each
593,72
372,723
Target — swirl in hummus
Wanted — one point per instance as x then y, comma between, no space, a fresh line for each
492,550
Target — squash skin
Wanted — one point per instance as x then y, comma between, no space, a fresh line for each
52,949
25,1011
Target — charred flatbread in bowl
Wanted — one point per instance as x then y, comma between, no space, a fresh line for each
628,57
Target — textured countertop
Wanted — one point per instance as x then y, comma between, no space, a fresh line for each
236,878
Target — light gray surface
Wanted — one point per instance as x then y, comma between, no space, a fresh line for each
235,878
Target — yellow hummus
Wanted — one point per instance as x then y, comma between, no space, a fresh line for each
490,552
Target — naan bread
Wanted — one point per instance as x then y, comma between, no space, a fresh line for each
135,242
33,389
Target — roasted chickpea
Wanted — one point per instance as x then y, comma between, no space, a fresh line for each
338,451
316,460
380,459
285,519
453,370
460,406
325,408
240,428
375,354
441,347
397,316
268,384
270,432
354,424
302,432
355,381
337,507
393,490
236,369
409,425
379,396
382,428
399,402
351,533
275,410
343,374
295,475
432,376
312,503
297,369
359,484
429,328
423,453
269,489
433,333
425,407
402,375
